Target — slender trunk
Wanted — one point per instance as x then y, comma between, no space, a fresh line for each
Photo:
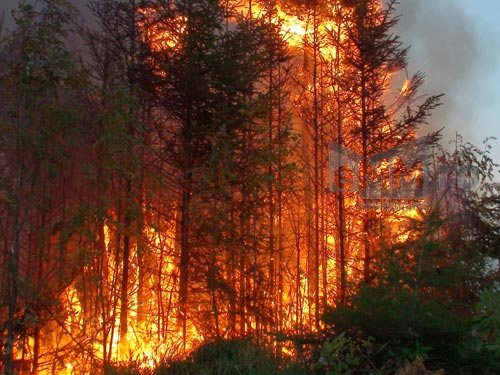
298,292
185,255
364,184
342,247
279,213
143,265
243,268
270,187
101,277
160,308
322,222
340,196
39,278
36,349
124,300
255,278
114,295
212,271
13,257
186,184
13,294
232,261
213,292
124,294
365,134
279,203
317,182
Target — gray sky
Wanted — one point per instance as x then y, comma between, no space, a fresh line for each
457,44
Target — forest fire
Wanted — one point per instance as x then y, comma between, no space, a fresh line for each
222,189
154,319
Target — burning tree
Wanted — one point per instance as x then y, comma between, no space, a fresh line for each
369,120
189,199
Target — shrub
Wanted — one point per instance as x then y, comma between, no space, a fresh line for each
224,357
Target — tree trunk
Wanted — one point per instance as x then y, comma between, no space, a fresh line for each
124,300
184,256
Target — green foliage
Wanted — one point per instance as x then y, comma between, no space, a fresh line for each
432,331
39,85
418,351
411,299
345,355
487,320
418,306
231,357
130,368
223,357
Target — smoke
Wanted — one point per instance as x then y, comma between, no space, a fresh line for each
445,45
6,9
7,6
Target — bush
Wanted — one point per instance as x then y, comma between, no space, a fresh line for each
410,325
347,355
224,357
130,368
487,320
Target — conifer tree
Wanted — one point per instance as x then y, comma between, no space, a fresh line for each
371,55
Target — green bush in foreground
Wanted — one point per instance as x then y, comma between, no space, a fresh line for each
224,357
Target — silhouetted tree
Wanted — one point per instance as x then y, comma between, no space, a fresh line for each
39,81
